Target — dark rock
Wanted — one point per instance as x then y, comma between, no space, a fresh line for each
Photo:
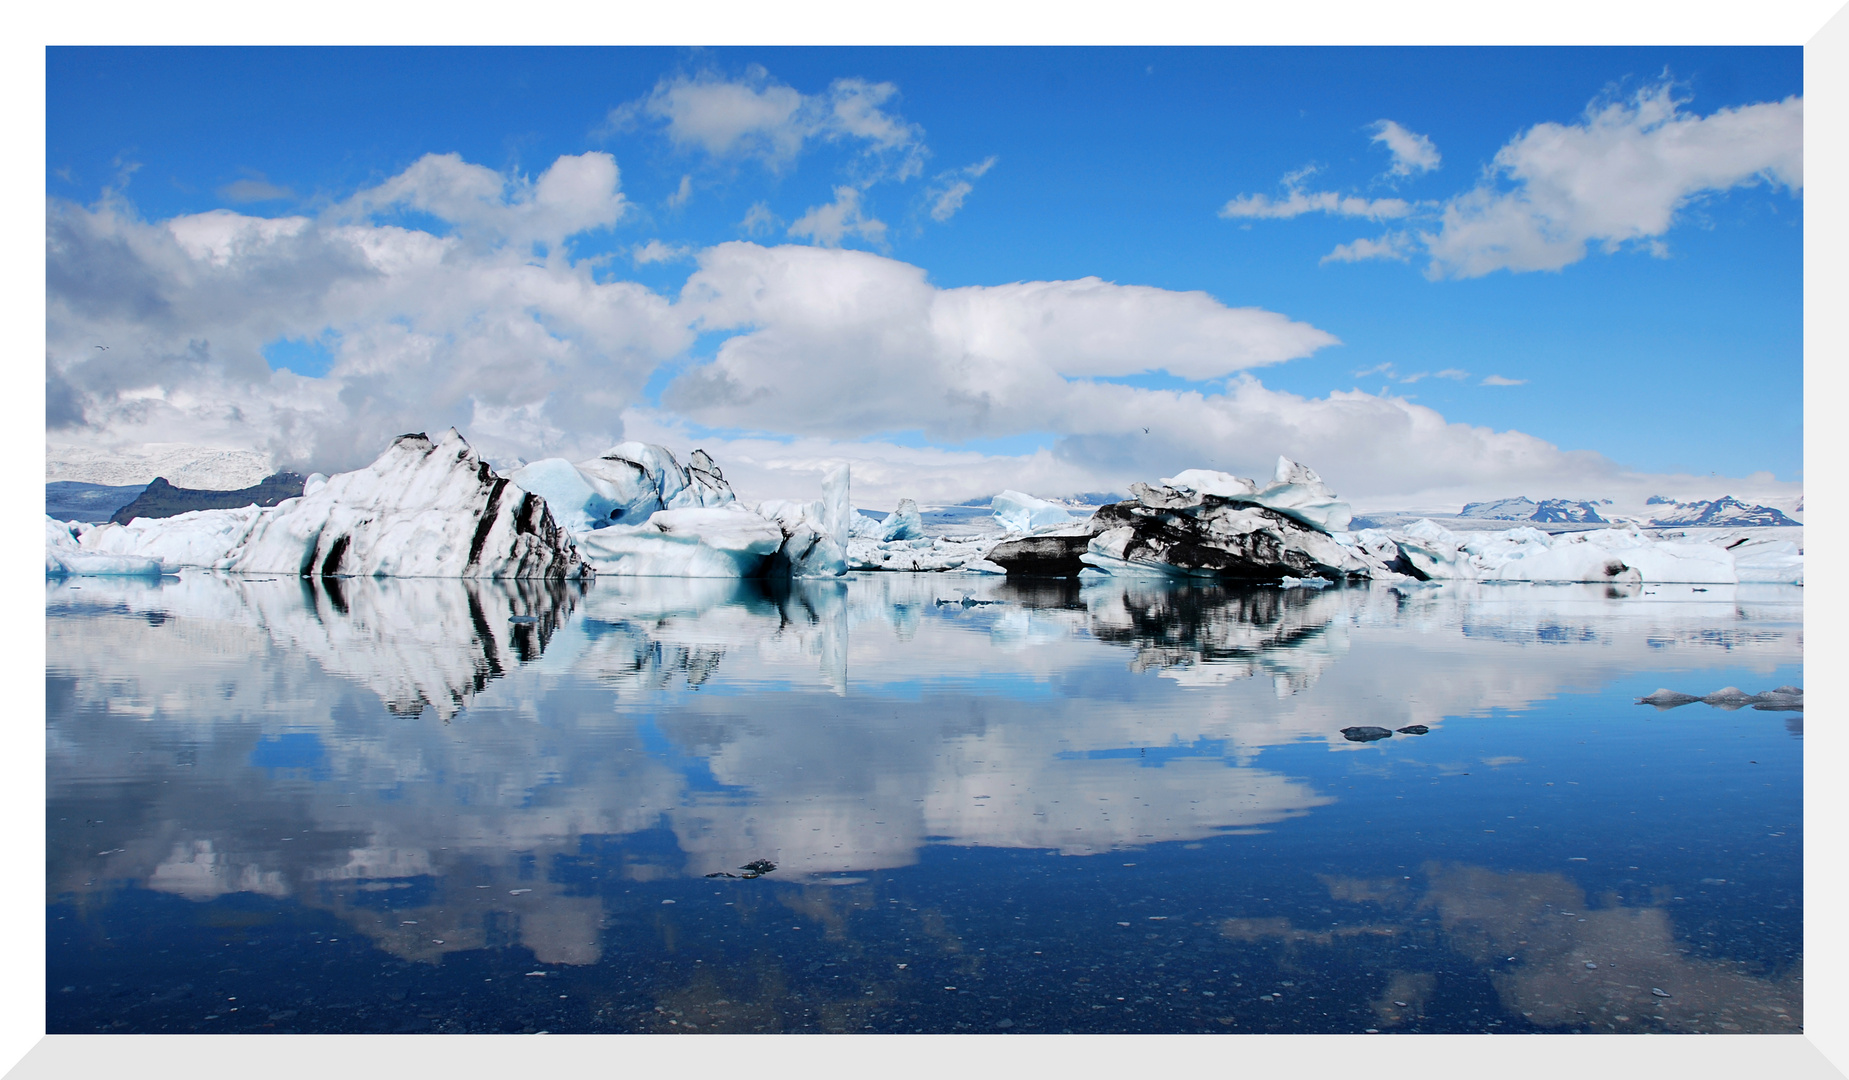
754,868
1413,729
1728,697
162,500
1042,556
1667,699
1365,733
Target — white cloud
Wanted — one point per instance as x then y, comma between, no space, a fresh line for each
681,194
948,199
1498,380
947,202
1390,246
757,117
1412,153
849,343
657,252
426,331
748,117
759,220
831,223
1454,374
1298,202
836,349
1619,175
573,195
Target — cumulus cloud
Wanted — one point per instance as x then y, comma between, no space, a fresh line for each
849,343
831,223
835,351
954,186
575,194
1618,175
1412,153
426,330
755,116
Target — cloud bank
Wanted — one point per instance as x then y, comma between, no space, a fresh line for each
486,320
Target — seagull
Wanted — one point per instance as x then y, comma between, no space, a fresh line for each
105,348
1145,431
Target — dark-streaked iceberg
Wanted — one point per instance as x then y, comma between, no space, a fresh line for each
425,508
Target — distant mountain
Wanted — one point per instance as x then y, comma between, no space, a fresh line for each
162,500
1724,512
1524,509
74,500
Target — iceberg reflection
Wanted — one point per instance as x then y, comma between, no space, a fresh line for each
448,765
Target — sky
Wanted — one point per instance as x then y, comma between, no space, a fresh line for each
1430,274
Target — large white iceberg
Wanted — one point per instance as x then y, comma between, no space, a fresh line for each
424,509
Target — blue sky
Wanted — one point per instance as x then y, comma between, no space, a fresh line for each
1159,171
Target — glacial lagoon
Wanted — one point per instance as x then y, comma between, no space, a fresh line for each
358,805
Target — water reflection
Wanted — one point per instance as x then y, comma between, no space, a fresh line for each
455,766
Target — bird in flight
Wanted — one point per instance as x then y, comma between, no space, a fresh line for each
105,348
1145,431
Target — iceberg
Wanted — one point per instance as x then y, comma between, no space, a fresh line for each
816,534
198,538
904,523
1603,555
579,501
1176,531
423,509
698,542
65,558
1774,563
1020,513
623,485
1295,491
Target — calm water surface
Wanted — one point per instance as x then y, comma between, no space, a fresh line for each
399,806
